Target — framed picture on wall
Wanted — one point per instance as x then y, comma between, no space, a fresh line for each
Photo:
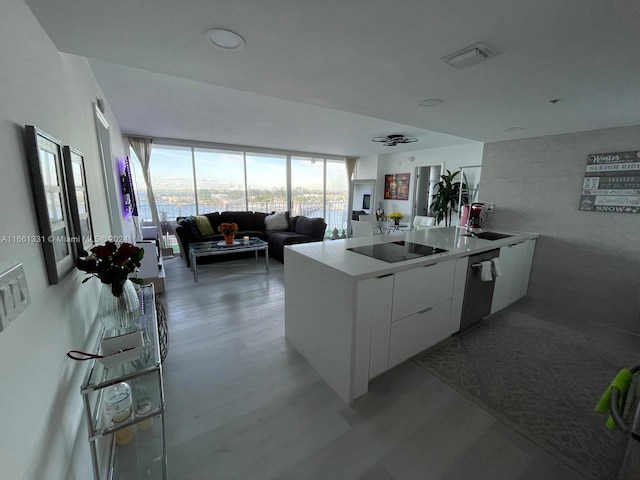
78,200
46,169
396,186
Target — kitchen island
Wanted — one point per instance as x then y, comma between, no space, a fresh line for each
353,316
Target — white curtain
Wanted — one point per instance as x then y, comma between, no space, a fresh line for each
142,147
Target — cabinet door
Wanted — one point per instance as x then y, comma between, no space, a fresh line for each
419,331
422,287
374,307
508,286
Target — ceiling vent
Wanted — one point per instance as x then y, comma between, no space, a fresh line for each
469,56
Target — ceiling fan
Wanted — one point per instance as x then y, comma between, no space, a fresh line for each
393,140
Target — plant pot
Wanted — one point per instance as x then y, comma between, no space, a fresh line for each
228,238
121,311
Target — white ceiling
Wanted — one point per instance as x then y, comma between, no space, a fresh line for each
328,75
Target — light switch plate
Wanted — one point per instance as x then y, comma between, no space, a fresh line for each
14,294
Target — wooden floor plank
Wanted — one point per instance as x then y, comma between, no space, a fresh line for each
241,403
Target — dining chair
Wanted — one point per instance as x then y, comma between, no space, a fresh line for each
375,223
361,229
420,222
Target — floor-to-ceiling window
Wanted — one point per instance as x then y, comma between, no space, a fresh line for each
172,178
266,182
337,195
220,180
195,180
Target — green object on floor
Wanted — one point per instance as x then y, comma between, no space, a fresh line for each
621,381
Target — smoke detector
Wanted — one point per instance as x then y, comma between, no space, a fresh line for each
469,56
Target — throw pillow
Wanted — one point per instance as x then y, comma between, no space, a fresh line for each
190,224
278,221
204,226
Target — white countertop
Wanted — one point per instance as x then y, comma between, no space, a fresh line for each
334,253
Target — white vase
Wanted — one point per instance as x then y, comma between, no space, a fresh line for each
121,311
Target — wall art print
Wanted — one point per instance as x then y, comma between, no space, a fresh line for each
48,181
612,183
396,186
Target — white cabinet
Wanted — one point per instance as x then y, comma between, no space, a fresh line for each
375,296
422,287
515,262
409,311
417,332
151,266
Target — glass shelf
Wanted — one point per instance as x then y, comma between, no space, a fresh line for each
143,455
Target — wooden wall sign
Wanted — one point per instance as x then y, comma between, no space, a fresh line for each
612,183
396,186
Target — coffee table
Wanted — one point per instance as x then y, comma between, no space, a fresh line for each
207,249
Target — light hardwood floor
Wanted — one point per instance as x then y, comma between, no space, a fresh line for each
241,403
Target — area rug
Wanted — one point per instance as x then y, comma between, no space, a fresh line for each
540,379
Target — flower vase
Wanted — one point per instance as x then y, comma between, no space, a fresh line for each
118,311
396,221
228,238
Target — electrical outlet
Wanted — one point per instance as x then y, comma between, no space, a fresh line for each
14,294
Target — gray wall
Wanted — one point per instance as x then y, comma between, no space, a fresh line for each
586,263
41,415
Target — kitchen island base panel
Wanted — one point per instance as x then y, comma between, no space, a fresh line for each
318,325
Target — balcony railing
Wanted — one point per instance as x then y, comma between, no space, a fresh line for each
335,214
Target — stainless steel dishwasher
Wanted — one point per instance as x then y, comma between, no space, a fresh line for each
478,293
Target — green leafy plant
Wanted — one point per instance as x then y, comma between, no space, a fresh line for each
446,197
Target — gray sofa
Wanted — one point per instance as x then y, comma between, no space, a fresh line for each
300,229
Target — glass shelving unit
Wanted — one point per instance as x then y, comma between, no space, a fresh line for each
144,455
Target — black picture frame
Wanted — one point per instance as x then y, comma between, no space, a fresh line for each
80,211
48,181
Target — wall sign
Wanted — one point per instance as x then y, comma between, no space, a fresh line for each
612,183
396,186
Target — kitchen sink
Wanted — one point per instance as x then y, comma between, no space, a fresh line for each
492,235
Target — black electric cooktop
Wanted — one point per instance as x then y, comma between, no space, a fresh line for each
397,251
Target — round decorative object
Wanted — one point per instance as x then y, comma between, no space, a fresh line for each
118,312
225,244
163,329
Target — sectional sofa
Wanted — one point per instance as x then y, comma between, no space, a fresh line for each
293,230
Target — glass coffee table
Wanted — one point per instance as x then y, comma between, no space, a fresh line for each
208,249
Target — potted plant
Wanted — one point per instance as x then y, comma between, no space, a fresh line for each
447,196
396,217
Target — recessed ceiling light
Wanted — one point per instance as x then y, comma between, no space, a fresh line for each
225,39
430,102
514,129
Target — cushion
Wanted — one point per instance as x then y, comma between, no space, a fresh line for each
314,227
292,223
277,221
259,220
203,225
245,220
214,220
189,223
